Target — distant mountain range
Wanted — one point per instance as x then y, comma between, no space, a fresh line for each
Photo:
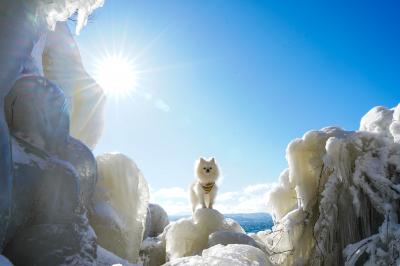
251,222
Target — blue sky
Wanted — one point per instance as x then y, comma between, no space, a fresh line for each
238,80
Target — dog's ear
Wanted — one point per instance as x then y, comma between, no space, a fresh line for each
202,160
212,160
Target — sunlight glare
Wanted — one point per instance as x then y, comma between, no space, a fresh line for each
116,75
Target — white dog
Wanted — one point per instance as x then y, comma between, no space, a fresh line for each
204,190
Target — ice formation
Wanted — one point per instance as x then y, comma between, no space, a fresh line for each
46,94
152,251
338,201
107,258
120,205
60,10
234,254
194,233
50,186
62,64
4,261
23,22
225,238
190,236
156,220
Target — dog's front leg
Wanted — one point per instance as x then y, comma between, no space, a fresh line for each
211,196
202,199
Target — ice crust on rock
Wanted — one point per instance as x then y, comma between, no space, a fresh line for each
63,65
152,251
60,10
4,261
120,205
226,238
107,258
233,254
189,236
156,220
50,188
338,201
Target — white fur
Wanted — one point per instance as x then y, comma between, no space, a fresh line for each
206,171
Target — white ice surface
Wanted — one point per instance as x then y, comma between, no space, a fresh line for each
4,261
121,198
235,254
340,190
189,236
61,10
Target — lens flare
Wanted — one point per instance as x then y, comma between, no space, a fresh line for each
116,75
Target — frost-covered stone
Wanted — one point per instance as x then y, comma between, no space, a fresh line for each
4,261
152,251
189,236
231,225
282,197
238,255
156,220
120,205
346,186
107,258
86,98
60,10
47,216
225,238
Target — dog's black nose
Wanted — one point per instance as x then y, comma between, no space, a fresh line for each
207,170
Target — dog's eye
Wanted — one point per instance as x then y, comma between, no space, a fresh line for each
210,168
204,168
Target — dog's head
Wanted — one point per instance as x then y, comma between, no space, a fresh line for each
206,170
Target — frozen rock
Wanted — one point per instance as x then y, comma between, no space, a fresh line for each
156,220
282,197
152,251
231,225
189,236
60,10
339,193
225,238
4,261
193,232
120,205
86,98
107,258
238,255
15,49
46,216
377,120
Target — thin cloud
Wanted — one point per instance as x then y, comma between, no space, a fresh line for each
162,105
175,200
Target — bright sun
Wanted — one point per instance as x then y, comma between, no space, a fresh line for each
116,75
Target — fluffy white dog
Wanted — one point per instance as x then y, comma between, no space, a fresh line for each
204,189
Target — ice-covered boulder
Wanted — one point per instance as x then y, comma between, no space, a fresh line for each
340,192
120,205
86,98
235,254
60,10
282,198
4,261
156,220
152,251
383,121
47,216
189,236
225,238
46,183
107,258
